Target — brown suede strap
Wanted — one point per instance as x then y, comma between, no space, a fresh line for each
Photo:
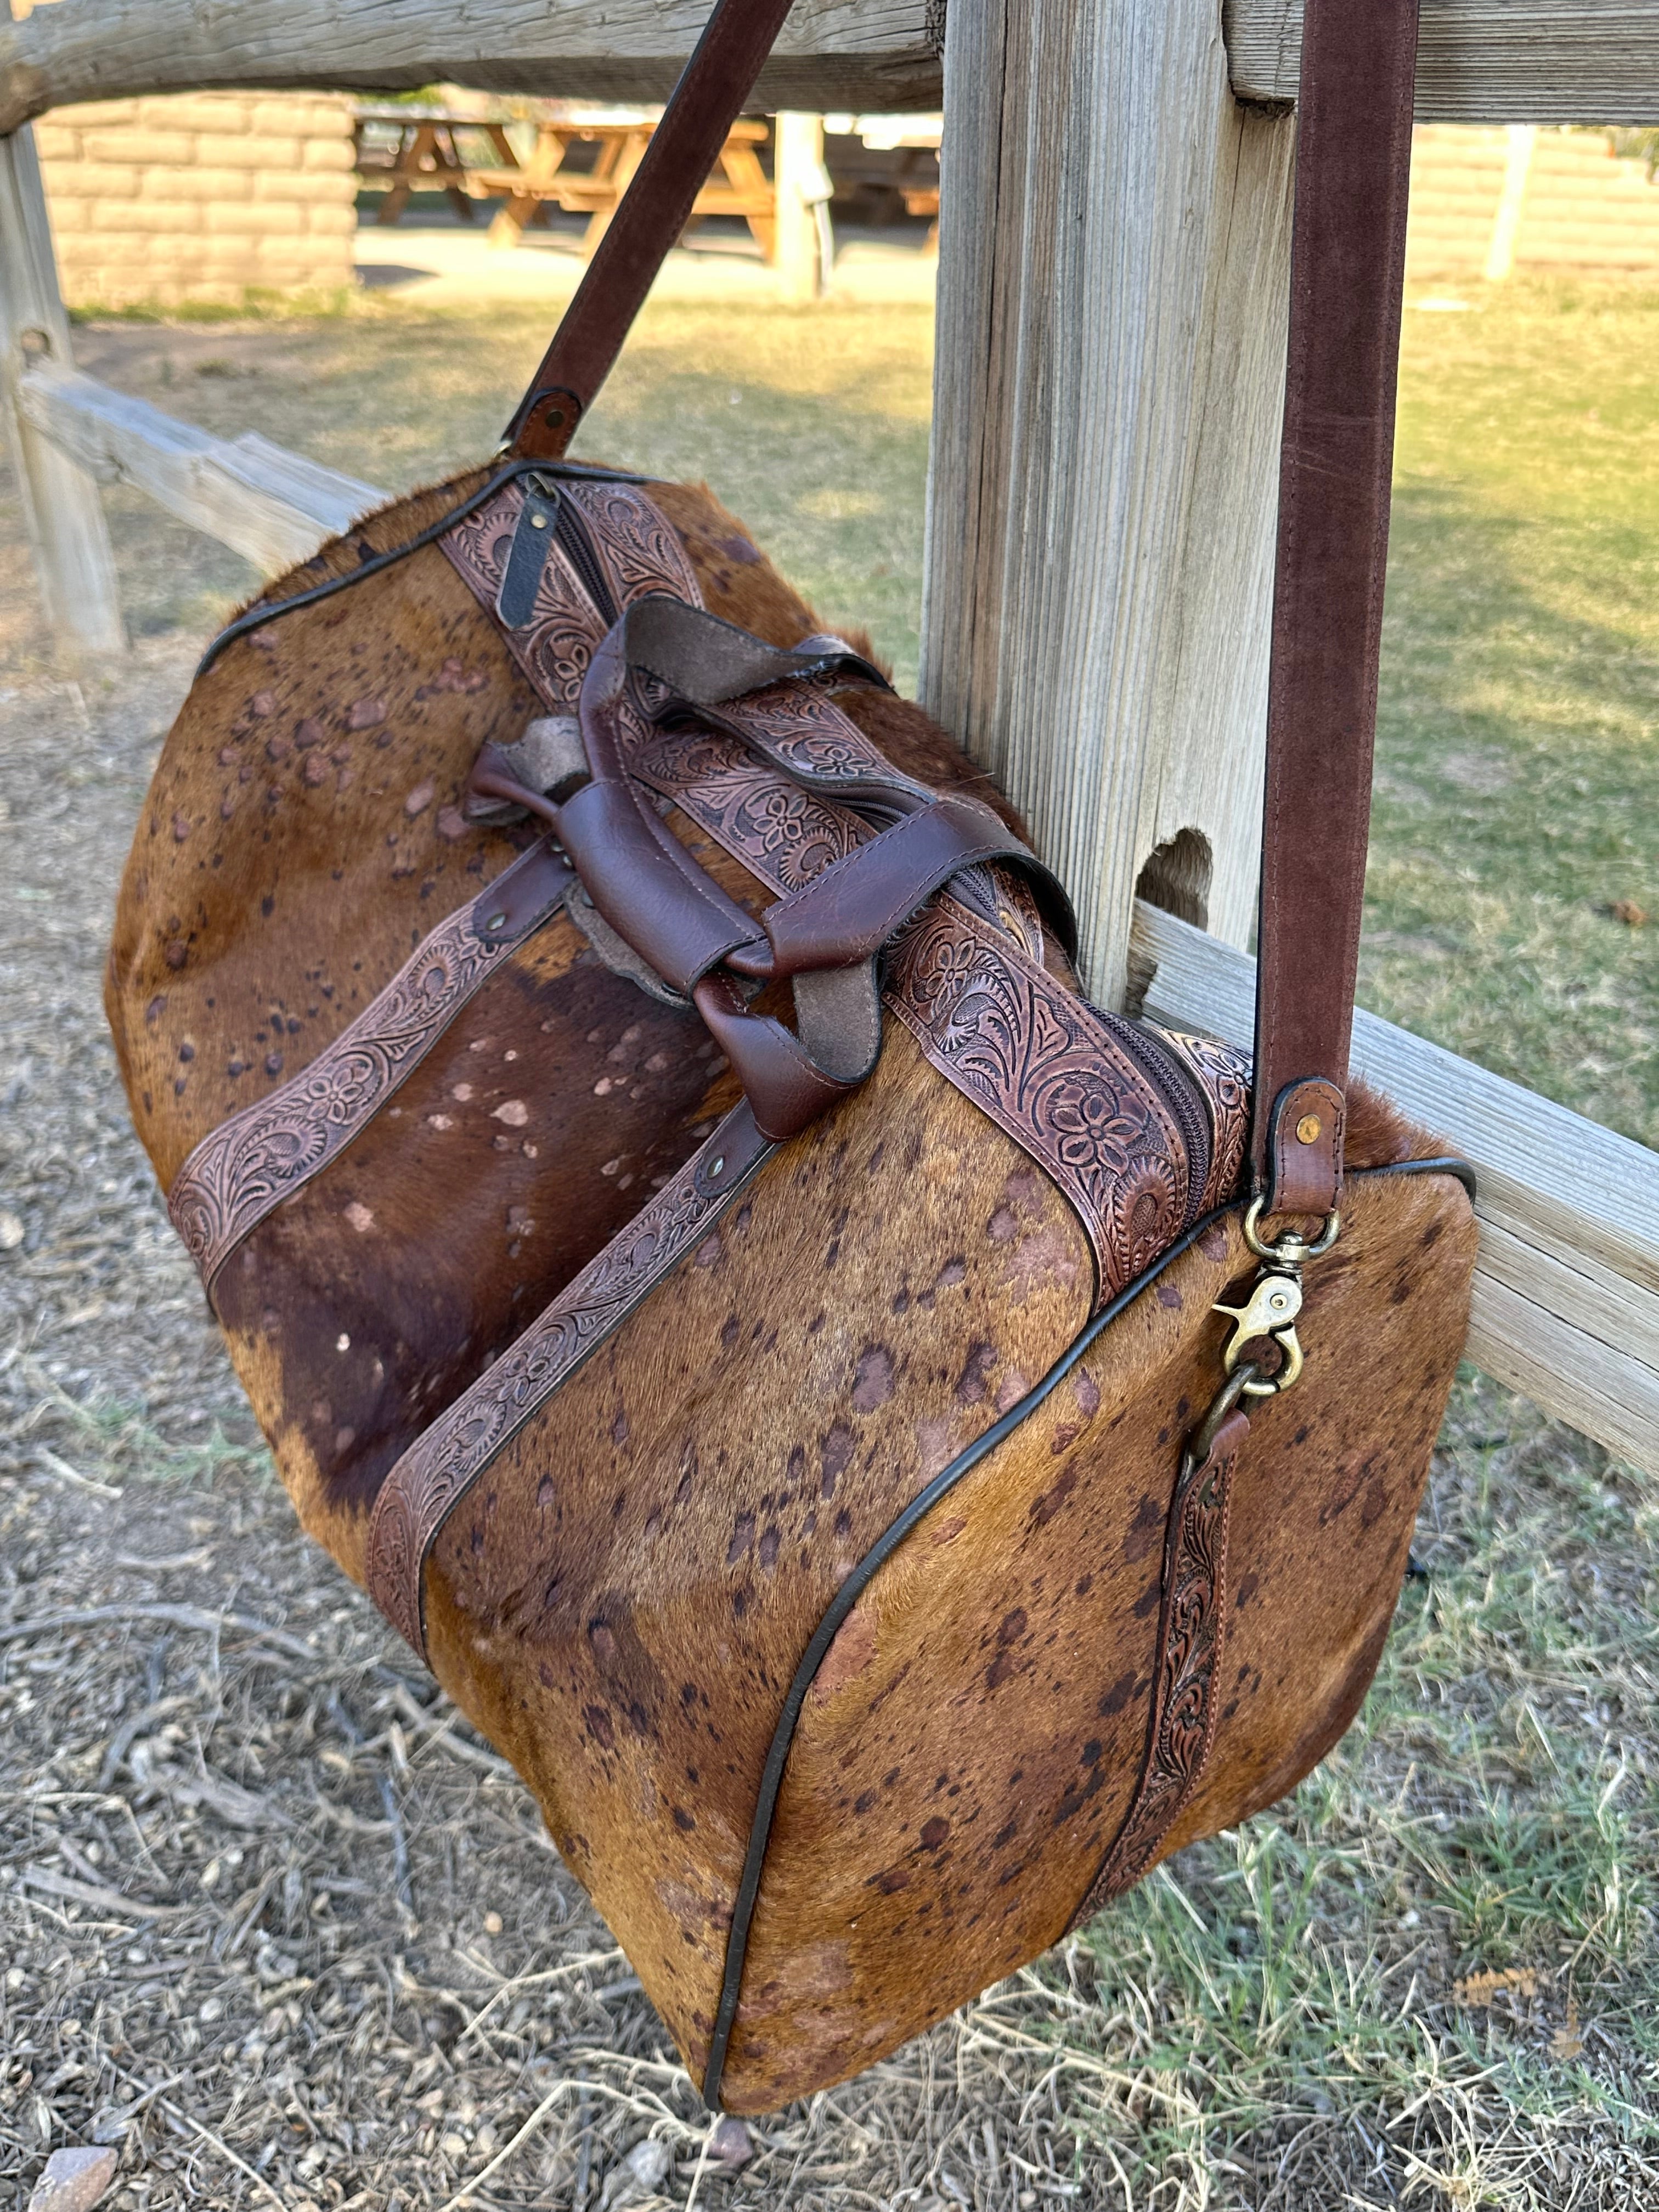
1353,168
655,209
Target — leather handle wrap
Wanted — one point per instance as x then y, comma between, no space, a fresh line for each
656,207
1347,264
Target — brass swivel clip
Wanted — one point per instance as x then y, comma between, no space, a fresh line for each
1274,1302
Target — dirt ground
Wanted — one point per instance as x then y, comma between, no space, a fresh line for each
274,1923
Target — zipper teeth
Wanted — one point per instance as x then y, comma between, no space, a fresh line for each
1180,1092
571,531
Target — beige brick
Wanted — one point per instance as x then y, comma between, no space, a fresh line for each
247,220
297,189
226,256
282,115
163,261
143,147
333,223
70,216
56,141
197,185
142,220
249,152
198,110
90,181
337,154
92,113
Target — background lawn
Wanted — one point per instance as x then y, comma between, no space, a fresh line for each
1430,1978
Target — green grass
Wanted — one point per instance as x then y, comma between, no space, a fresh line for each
1518,744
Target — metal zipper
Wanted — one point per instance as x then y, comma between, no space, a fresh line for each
572,534
1179,1092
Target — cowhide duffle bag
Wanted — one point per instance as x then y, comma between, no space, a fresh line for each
889,1450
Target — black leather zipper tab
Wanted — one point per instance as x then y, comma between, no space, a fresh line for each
532,541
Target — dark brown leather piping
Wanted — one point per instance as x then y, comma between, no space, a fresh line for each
771,1781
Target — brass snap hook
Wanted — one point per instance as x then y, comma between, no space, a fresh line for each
1271,1312
1290,1250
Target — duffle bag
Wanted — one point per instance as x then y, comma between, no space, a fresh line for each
889,1450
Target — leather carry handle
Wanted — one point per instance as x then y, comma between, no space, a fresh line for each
655,209
1347,267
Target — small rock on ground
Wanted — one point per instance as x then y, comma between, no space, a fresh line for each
74,2180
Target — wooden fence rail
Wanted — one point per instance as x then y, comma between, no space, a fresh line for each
1483,61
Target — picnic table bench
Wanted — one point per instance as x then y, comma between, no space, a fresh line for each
427,157
423,157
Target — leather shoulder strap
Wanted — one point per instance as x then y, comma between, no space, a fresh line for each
1353,167
655,209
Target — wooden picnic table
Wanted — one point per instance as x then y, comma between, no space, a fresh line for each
423,158
739,186
427,157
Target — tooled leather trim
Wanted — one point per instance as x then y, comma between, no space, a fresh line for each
1040,1064
1029,1053
253,1162
443,1463
1223,1073
1192,1633
640,548
636,545
267,1152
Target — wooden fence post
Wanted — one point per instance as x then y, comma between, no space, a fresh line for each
61,512
796,176
1113,281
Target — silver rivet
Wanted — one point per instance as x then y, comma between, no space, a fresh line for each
719,1168
497,922
538,520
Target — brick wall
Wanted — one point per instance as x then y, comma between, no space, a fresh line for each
199,196
1582,209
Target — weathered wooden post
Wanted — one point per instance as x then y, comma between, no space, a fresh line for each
61,508
1114,266
797,180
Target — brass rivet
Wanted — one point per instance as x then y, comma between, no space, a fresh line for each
538,520
1309,1129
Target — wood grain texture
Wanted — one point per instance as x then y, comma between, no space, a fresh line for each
832,53
1107,399
1485,61
1566,1288
1482,61
268,505
61,510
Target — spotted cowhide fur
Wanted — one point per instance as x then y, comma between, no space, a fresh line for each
620,1601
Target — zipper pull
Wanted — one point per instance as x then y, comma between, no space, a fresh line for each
532,541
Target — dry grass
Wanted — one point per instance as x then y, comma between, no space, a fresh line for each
272,1919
